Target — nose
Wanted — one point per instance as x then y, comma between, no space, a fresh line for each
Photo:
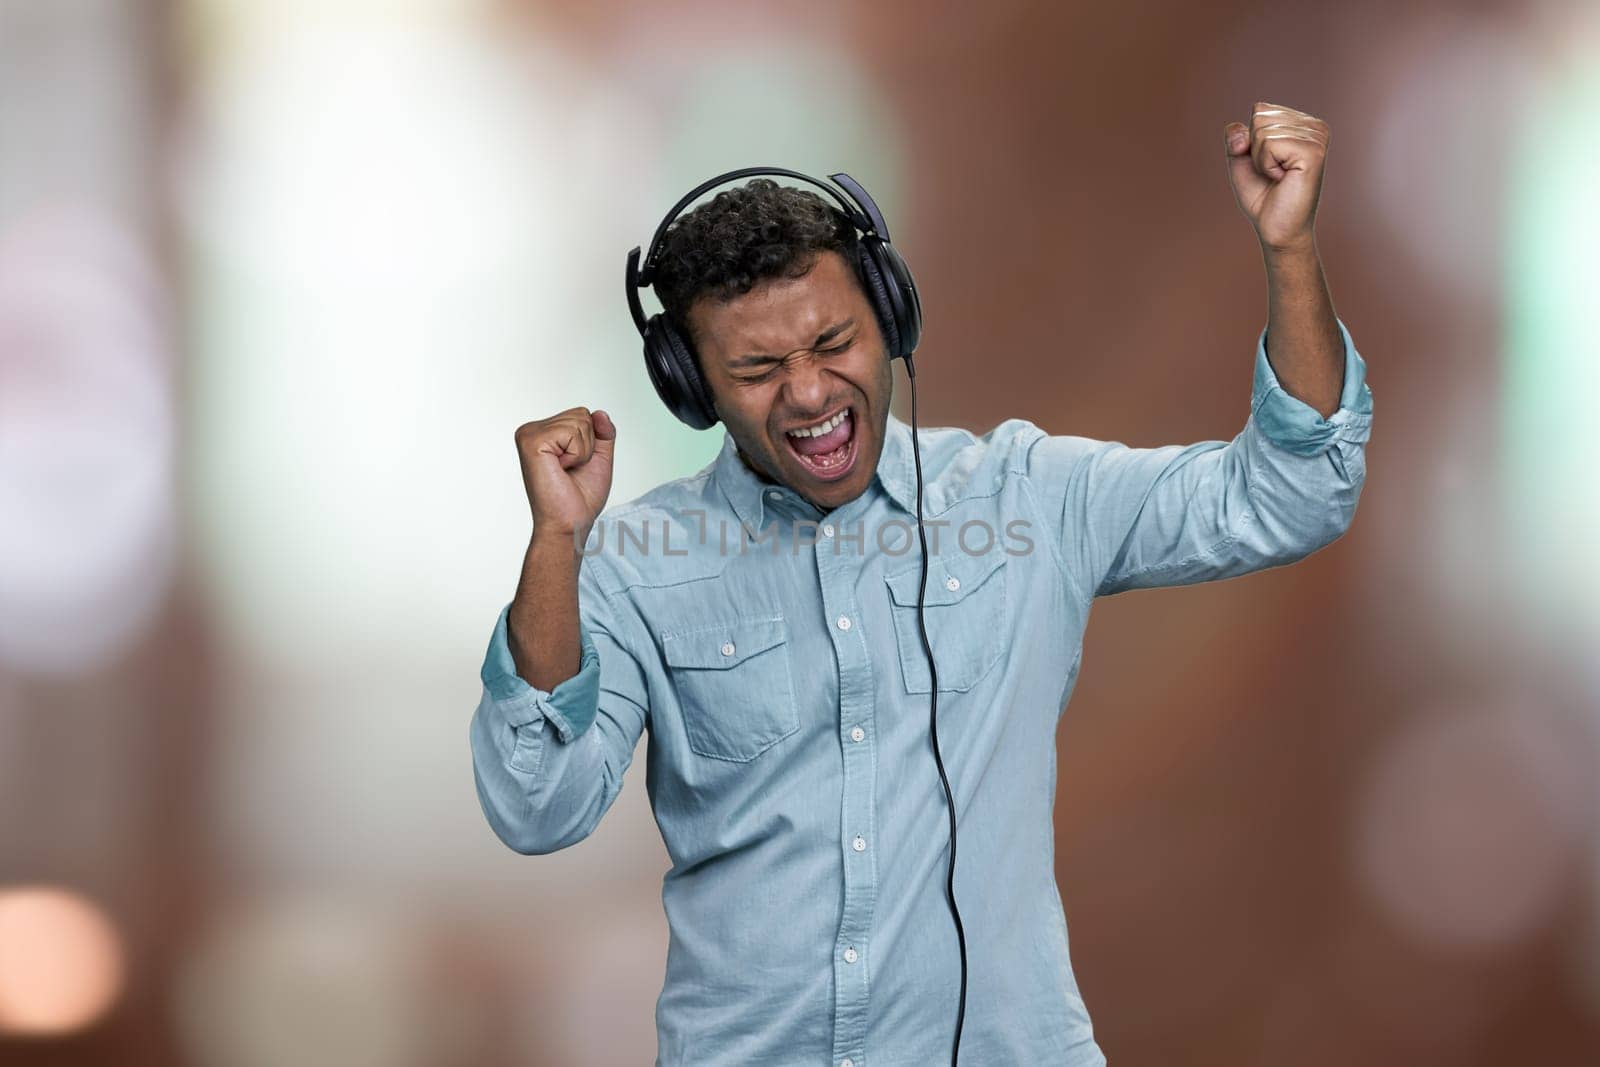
808,388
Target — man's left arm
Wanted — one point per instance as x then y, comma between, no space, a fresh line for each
1284,486
1275,167
1309,396
1137,518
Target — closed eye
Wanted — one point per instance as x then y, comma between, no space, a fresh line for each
756,379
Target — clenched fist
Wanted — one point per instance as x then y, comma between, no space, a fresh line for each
1275,166
566,469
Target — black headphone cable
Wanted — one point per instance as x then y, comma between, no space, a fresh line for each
933,718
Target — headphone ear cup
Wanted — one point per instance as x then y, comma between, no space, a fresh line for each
878,291
902,294
683,353
673,372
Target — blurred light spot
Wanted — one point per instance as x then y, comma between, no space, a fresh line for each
407,243
1445,92
406,237
61,964
86,517
1470,822
1552,360
779,100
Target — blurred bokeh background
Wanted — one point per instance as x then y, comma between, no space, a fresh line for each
279,280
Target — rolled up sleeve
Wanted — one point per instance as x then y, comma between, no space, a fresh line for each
1295,426
1283,487
1307,471
570,707
549,764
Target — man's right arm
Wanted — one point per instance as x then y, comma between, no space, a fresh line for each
543,618
557,723
564,701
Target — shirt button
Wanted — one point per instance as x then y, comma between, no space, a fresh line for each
859,844
847,1063
844,622
857,733
727,649
827,529
850,955
774,494
952,584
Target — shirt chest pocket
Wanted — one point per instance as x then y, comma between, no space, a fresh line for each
965,607
733,685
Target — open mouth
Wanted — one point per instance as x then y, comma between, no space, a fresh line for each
826,449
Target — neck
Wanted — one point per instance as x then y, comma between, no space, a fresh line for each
769,479
751,467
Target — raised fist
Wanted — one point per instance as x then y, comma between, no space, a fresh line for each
1275,164
566,469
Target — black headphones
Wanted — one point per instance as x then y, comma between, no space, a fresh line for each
668,355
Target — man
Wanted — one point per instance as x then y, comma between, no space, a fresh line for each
760,619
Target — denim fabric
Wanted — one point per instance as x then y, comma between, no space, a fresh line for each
773,654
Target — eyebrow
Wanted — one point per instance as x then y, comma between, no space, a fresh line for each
822,338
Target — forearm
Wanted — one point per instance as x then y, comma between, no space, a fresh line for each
542,625
1303,341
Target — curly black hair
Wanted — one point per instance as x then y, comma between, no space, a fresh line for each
742,236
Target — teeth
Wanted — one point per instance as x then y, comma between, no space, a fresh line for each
821,427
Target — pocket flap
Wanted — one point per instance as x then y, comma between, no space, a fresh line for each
723,645
963,571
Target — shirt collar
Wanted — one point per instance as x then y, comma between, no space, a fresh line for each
747,491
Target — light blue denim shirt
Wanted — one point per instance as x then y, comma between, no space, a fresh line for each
773,654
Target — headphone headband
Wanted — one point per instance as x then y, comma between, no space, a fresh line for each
860,209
